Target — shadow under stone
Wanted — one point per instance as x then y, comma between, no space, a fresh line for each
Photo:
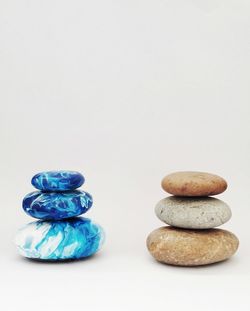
61,261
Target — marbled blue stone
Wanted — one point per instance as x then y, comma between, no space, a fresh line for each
57,205
57,180
60,240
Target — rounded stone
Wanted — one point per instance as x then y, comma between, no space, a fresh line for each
60,240
57,180
191,247
57,205
193,184
193,213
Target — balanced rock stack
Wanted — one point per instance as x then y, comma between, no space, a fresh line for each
59,234
190,240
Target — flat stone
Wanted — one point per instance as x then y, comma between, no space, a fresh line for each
193,213
191,247
193,184
60,240
57,205
57,180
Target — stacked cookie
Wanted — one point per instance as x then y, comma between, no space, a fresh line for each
59,234
192,214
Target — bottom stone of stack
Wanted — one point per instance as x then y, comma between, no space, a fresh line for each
182,247
73,238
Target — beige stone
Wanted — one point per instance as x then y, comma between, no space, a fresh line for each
193,184
191,247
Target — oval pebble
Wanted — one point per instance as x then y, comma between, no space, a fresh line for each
193,184
191,247
57,180
193,213
57,205
60,240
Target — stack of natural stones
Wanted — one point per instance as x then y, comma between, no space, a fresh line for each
190,240
60,234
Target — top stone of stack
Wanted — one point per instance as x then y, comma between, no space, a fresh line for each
193,184
57,181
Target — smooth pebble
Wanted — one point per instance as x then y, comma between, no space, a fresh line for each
57,180
60,240
193,213
193,184
191,247
57,205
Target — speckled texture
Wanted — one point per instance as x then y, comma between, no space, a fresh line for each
193,213
191,247
57,205
193,184
57,180
60,240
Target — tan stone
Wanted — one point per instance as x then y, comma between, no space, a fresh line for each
193,184
191,247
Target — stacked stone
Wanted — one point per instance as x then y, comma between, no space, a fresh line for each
192,214
59,234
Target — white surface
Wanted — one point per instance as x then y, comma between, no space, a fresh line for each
125,92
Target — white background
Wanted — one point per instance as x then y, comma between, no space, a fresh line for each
124,92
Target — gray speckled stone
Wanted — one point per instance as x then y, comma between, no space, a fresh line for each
193,213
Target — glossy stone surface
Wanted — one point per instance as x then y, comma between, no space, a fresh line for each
57,180
60,240
193,184
193,213
57,205
191,247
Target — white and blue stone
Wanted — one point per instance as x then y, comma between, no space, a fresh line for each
60,240
57,205
57,180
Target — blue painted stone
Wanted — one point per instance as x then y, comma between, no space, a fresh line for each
57,205
73,238
57,180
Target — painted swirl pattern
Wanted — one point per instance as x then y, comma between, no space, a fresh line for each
60,240
57,205
57,180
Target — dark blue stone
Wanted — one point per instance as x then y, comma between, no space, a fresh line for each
57,205
57,180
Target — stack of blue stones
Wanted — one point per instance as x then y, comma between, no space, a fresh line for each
59,234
